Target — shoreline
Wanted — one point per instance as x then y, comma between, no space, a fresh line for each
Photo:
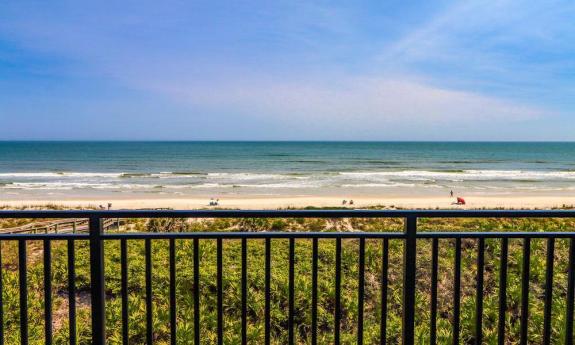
267,202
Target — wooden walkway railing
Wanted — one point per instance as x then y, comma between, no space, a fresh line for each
62,226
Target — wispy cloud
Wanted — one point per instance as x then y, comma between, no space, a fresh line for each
302,64
508,47
376,100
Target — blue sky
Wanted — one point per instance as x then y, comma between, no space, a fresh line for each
287,70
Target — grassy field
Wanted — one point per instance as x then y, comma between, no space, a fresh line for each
279,288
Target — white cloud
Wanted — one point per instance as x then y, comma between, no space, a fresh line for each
339,100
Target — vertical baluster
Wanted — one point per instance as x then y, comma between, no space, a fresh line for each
244,291
456,291
525,291
479,294
23,292
337,316
124,292
267,291
47,292
173,324
502,291
384,283
149,306
570,295
361,288
196,291
314,292
72,292
291,292
548,291
220,289
434,273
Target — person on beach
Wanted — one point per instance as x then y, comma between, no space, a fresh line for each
451,193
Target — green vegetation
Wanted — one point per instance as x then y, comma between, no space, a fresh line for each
279,288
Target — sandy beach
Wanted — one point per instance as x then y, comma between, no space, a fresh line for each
254,202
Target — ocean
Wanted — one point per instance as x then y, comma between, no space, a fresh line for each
61,169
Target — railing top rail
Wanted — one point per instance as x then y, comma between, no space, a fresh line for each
289,214
285,235
335,234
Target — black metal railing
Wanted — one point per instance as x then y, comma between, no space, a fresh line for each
409,236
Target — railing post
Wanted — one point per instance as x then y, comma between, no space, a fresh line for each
409,266
97,281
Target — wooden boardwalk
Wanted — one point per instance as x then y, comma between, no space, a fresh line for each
72,225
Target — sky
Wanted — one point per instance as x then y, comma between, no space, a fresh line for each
287,70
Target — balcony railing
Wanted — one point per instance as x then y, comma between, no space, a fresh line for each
96,237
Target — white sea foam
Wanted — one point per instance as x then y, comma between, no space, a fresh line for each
254,176
200,186
388,185
474,179
359,175
72,185
464,175
280,185
58,174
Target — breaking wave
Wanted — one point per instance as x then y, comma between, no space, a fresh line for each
181,180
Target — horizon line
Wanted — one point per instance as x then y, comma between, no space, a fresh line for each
273,141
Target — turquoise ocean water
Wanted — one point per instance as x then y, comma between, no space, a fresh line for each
36,169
